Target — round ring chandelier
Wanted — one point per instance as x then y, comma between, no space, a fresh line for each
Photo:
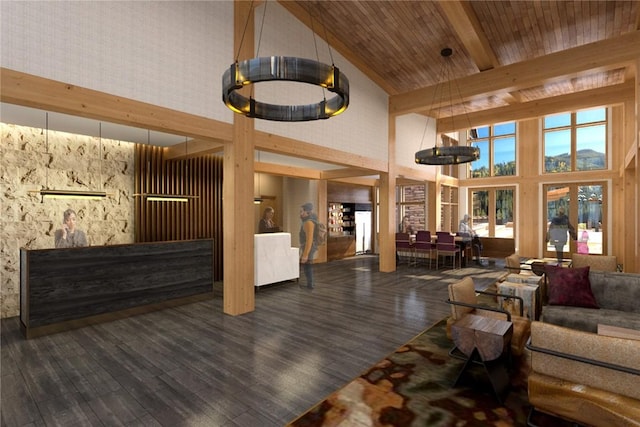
285,68
447,155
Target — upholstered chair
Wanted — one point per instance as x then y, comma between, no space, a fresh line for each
404,247
595,262
423,246
463,298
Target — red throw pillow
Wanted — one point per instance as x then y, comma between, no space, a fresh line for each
570,286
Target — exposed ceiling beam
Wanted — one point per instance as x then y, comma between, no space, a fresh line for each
303,16
346,173
409,175
50,95
282,170
601,55
193,148
304,150
465,24
586,99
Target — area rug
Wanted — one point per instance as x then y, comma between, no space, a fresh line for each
413,387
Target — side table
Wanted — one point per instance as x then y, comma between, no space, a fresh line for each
529,293
485,341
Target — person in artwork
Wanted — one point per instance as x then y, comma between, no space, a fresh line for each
267,224
308,245
69,236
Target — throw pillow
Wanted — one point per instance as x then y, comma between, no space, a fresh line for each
570,286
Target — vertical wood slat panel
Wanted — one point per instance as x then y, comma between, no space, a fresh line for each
199,218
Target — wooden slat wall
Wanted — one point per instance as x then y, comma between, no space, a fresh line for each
167,221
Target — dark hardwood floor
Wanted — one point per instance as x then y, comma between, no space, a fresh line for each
195,366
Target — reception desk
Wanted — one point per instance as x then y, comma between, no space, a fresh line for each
275,259
69,288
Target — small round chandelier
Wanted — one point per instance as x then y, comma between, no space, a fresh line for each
290,69
446,154
452,155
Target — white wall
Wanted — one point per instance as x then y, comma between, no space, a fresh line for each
173,54
361,129
414,132
169,53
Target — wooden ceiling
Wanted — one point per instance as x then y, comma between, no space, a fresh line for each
521,43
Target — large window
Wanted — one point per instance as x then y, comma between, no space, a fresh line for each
497,144
575,141
492,212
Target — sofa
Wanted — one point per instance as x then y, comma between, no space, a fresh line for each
583,377
614,300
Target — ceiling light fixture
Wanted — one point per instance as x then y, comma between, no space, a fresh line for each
284,68
446,155
156,197
47,193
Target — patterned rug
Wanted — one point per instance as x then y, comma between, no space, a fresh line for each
413,387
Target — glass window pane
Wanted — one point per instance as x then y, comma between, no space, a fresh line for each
591,147
590,116
557,120
480,213
483,132
480,167
504,129
504,213
557,151
504,155
590,219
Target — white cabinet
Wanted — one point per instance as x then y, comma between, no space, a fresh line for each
275,259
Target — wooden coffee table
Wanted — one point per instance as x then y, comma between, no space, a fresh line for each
485,341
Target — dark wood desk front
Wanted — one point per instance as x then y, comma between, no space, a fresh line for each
69,288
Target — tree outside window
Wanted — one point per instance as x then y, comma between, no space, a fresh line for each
497,145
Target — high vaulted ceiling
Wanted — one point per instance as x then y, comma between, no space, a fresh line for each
505,53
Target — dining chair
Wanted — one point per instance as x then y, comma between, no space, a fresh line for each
423,246
447,246
404,247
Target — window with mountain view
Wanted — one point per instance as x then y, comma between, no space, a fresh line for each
575,141
497,144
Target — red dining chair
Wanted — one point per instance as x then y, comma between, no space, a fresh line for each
447,246
423,246
404,247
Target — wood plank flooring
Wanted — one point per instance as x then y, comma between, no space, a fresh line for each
195,366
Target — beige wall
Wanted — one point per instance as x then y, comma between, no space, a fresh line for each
74,164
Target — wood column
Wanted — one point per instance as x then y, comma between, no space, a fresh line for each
387,224
238,282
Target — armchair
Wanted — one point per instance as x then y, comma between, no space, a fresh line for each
464,300
595,262
512,263
584,377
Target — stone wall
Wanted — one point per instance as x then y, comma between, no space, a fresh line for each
32,159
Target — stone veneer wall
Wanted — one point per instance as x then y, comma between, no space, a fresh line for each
72,162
